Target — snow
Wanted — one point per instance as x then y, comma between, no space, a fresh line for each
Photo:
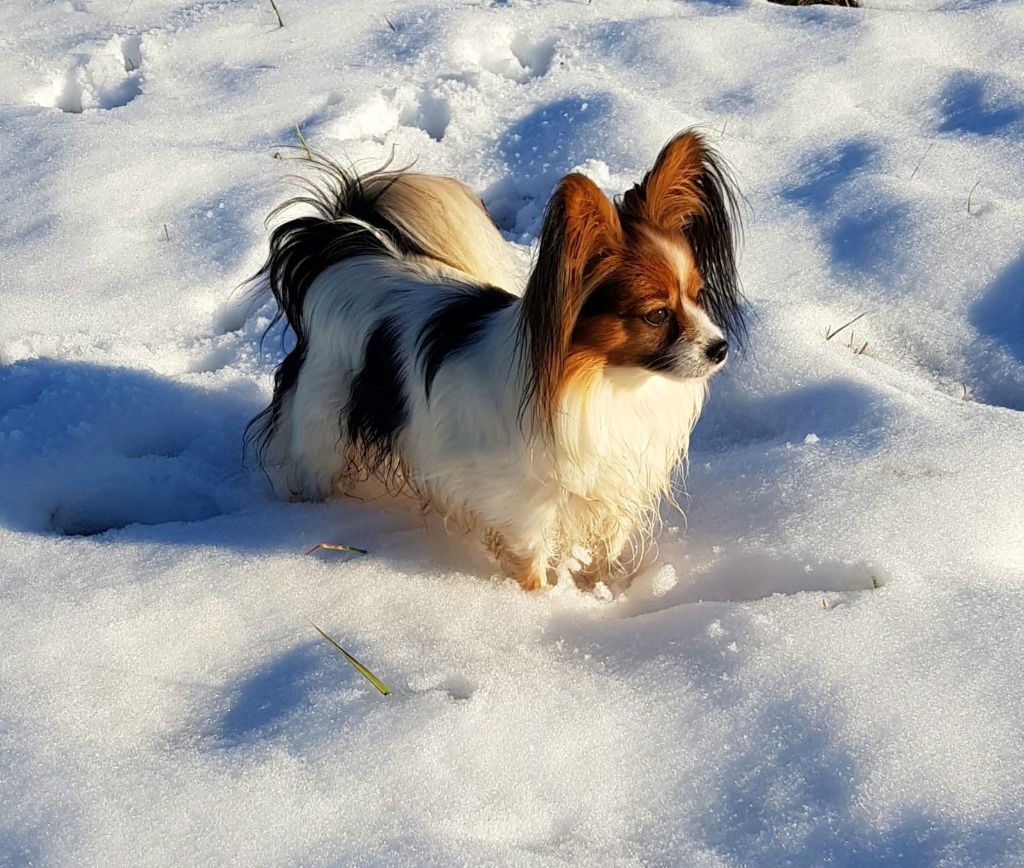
824,664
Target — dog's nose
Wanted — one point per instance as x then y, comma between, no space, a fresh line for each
716,352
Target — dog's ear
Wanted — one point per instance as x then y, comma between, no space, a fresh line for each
690,191
670,195
579,241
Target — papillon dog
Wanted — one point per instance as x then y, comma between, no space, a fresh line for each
549,418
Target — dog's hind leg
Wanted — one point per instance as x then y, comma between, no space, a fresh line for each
318,448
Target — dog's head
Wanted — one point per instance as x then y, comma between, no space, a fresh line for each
649,282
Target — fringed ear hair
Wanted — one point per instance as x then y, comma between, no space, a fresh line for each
581,231
691,191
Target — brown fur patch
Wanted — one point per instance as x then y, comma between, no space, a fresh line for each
580,242
690,192
670,194
646,279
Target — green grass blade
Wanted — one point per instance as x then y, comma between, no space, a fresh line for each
362,670
302,139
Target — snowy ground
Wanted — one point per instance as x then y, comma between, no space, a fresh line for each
752,700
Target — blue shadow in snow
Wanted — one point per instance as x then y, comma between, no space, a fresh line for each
268,697
965,108
86,448
796,774
294,696
837,410
999,315
869,240
539,149
410,33
120,455
789,793
1000,311
121,94
19,846
821,176
554,137
859,240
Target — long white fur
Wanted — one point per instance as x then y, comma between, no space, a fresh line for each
596,484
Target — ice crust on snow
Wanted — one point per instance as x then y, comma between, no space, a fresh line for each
822,666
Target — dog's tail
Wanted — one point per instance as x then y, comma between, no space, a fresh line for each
442,219
385,212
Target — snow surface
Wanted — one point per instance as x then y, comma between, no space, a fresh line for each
754,699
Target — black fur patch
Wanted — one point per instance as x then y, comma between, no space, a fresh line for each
302,248
713,237
456,325
259,430
378,410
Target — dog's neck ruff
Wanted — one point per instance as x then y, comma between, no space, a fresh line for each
620,435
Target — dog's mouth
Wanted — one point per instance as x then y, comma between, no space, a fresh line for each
689,361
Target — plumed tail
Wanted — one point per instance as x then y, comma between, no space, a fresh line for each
391,212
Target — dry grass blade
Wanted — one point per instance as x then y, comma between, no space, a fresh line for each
362,670
851,4
336,547
277,12
918,166
829,335
969,195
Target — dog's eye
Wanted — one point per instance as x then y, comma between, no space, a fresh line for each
657,317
